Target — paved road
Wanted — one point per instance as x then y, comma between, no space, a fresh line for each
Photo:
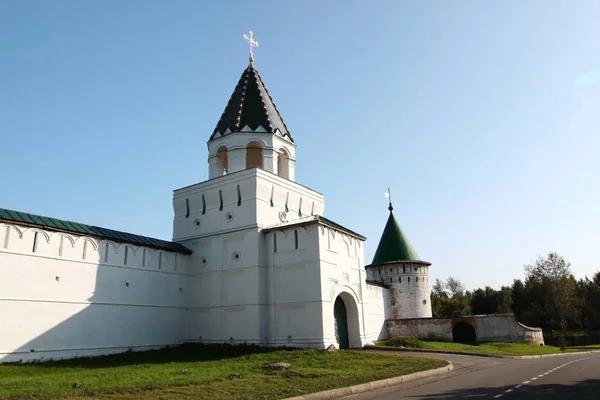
572,377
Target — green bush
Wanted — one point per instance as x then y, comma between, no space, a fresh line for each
403,341
561,338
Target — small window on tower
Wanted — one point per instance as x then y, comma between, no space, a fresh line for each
254,155
222,161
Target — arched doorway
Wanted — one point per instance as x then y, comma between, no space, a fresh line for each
341,323
464,333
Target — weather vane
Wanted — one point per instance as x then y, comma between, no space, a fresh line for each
252,42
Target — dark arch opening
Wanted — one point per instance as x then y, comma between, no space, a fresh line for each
341,323
464,333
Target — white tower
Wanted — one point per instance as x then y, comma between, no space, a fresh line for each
397,264
238,296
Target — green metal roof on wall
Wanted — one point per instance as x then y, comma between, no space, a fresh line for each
394,245
54,224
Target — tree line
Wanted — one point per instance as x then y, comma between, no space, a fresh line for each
550,297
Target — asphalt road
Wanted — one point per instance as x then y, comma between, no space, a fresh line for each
571,377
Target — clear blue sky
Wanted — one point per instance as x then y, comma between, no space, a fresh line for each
483,117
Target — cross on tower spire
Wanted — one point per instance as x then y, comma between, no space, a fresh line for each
252,42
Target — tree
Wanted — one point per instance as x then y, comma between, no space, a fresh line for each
484,301
448,298
504,300
552,275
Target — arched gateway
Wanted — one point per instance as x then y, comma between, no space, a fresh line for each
346,321
464,332
341,323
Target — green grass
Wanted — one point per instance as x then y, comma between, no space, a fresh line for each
202,372
583,348
511,349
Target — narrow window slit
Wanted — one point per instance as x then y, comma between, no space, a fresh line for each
220,200
286,202
187,208
35,239
300,208
239,192
272,193
85,246
203,205
296,238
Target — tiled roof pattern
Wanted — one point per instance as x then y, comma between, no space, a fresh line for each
54,224
250,105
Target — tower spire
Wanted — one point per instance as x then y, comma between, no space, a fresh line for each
389,196
252,42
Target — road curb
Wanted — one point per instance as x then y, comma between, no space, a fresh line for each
370,386
530,357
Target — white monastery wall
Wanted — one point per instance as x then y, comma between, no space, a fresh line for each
71,295
377,310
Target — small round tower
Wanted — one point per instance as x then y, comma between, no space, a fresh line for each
397,265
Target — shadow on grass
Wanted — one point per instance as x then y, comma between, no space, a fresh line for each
587,389
182,353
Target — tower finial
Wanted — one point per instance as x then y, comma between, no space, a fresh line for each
388,194
252,42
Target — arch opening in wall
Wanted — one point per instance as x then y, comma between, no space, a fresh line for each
283,164
254,155
222,161
464,333
346,321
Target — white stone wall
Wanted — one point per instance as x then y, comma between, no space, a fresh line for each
409,288
293,287
421,328
73,295
377,310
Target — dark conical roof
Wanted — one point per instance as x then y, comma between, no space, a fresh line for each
394,245
250,105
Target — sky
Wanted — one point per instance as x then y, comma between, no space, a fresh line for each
483,118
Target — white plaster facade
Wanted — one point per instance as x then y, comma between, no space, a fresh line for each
69,295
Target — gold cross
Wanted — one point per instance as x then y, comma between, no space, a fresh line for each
252,42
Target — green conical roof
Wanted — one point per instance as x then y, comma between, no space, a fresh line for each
394,245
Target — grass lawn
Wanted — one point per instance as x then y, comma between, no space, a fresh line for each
202,372
509,349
